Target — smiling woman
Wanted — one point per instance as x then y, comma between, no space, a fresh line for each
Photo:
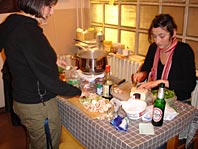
8,6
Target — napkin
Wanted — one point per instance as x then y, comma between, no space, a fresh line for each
169,113
146,128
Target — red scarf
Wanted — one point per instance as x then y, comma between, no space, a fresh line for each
167,66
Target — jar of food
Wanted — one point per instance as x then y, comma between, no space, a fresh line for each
99,83
87,86
72,77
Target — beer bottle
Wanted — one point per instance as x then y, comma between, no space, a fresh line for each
159,107
107,83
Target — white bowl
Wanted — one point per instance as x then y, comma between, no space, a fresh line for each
134,108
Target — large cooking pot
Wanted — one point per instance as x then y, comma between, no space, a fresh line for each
91,60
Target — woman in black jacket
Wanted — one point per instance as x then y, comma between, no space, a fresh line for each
35,77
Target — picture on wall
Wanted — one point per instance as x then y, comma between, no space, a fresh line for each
7,6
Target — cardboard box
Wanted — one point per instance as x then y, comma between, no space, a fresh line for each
85,35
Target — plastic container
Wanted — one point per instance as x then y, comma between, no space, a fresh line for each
134,108
72,77
99,83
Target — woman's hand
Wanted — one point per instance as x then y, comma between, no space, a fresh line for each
152,84
61,63
138,77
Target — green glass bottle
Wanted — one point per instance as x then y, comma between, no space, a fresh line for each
159,107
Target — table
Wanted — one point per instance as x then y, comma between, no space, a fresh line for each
100,134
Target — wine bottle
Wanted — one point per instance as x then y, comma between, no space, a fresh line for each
159,107
107,83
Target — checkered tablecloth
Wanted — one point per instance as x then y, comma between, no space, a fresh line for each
193,128
100,134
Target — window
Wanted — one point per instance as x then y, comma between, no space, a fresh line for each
127,21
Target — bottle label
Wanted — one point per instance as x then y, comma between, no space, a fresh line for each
99,89
157,114
106,90
160,93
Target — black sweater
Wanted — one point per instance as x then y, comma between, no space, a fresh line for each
31,60
182,75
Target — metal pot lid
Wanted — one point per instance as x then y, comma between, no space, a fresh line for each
93,53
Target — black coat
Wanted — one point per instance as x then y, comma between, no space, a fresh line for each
32,61
182,75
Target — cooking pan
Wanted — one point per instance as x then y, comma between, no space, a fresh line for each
91,60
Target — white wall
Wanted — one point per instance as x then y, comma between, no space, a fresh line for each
61,26
62,4
2,16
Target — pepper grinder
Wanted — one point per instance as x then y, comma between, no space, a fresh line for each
99,40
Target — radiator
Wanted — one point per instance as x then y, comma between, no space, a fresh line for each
122,68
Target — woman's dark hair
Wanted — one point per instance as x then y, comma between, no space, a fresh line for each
33,7
163,21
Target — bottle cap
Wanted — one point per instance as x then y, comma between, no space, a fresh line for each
162,85
107,67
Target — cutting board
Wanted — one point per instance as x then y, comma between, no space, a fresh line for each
125,91
76,102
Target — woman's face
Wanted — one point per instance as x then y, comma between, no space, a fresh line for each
47,11
161,37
